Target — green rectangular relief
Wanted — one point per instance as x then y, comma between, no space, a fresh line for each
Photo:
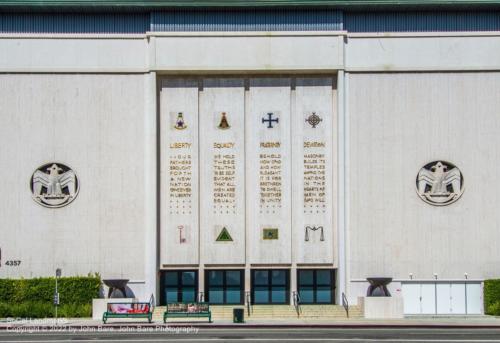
269,233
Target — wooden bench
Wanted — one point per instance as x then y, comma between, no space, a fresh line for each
128,310
196,310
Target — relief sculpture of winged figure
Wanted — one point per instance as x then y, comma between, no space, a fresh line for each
56,187
439,183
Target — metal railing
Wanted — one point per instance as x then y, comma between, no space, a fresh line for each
201,297
248,301
345,303
296,303
152,302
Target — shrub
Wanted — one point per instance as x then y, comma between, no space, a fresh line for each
7,290
27,310
72,290
493,309
75,311
492,297
32,298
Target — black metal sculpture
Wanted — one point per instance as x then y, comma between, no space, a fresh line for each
378,286
116,285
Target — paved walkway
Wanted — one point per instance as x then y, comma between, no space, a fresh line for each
423,322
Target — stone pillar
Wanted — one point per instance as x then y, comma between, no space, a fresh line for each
201,282
248,281
342,196
150,184
293,281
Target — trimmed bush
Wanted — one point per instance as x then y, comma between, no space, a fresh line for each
44,310
492,297
493,309
32,298
72,290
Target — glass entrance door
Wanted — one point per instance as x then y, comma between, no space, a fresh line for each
270,286
316,286
178,286
224,286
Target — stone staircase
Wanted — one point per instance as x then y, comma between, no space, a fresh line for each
277,312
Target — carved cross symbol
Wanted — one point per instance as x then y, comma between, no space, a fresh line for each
270,120
314,120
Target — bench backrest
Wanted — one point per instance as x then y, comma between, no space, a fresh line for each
187,307
128,308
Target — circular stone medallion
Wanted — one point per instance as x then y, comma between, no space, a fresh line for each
54,185
440,183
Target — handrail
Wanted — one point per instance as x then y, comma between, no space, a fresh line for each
152,302
248,299
296,302
345,303
201,297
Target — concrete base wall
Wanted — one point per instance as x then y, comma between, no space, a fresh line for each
383,307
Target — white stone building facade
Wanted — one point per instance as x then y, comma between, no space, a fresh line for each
308,208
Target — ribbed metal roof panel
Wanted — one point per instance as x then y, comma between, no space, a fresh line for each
89,5
422,21
250,20
73,23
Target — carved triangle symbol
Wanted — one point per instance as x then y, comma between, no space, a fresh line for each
224,236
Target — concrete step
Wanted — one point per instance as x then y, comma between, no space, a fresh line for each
225,312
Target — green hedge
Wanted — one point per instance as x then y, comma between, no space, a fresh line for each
492,297
44,310
32,298
72,290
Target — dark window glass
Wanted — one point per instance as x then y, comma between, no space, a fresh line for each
278,294
216,278
270,286
323,277
306,294
306,277
324,295
316,286
233,278
216,295
188,294
171,294
188,278
278,277
261,277
225,286
261,294
179,286
233,295
171,278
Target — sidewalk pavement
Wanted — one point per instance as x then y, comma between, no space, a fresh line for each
131,324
